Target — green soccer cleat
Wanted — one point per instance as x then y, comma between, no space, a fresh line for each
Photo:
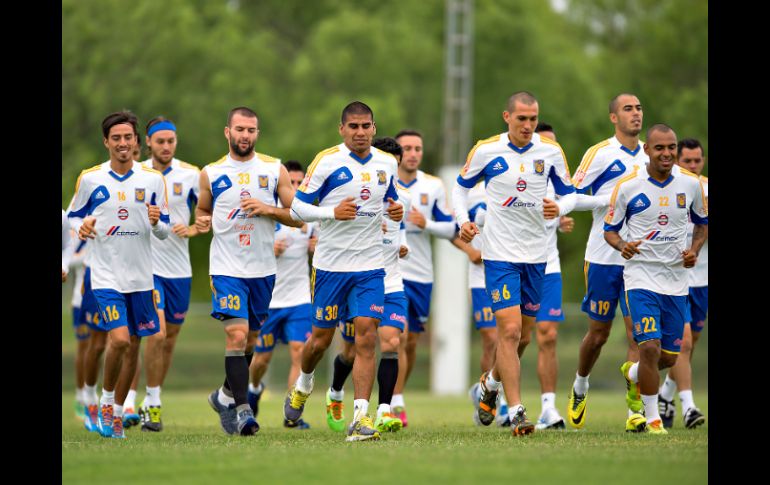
576,409
656,427
362,430
636,423
633,396
388,422
335,416
152,420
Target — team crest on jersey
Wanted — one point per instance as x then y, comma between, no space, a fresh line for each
381,177
521,185
122,213
263,182
177,188
244,240
681,200
223,302
139,195
319,313
539,166
495,296
593,306
365,194
424,199
637,328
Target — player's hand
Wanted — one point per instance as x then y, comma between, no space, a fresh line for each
279,247
468,231
395,210
255,208
87,231
550,209
153,212
203,224
630,248
311,243
180,230
474,255
566,224
690,258
63,276
416,218
403,251
346,210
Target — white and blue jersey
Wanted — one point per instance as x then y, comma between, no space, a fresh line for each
698,298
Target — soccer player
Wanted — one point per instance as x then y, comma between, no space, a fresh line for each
172,272
429,215
238,196
690,157
67,246
602,166
288,319
119,204
654,203
391,331
354,185
82,332
516,166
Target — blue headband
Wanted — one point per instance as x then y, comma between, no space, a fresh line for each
163,125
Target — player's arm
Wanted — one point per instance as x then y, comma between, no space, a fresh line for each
286,196
182,229
474,255
614,221
394,209
700,232
303,208
81,207
442,224
67,246
559,177
473,171
403,250
204,207
157,210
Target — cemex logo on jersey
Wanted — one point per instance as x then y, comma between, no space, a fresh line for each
236,214
663,219
177,188
364,213
139,195
365,194
115,231
521,185
539,166
511,202
122,213
655,236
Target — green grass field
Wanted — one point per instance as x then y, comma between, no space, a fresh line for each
440,445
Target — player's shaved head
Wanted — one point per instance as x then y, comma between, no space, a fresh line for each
615,102
356,108
523,97
243,111
659,127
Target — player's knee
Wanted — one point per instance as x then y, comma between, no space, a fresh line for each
389,343
667,360
510,333
365,341
236,340
119,343
649,352
598,335
546,339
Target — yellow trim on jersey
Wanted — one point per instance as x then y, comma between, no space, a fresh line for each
551,142
187,165
88,170
148,169
267,158
669,352
586,265
628,177
312,286
687,172
401,186
218,162
704,179
485,141
628,305
211,285
386,153
588,158
314,163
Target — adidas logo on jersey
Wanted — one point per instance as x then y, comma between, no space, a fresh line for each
615,168
342,176
99,195
222,184
639,203
497,166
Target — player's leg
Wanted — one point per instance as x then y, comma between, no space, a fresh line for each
82,334
127,371
97,342
698,299
343,366
264,344
131,415
389,332
294,332
548,318
150,410
679,373
176,305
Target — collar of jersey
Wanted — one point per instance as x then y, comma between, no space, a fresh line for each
661,184
120,178
522,149
360,160
631,152
165,172
407,185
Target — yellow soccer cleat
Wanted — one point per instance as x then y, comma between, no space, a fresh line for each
388,422
636,423
362,430
656,427
633,396
576,409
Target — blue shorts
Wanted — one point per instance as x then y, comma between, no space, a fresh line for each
290,324
697,307
604,289
657,316
483,315
172,295
395,316
135,310
89,312
418,304
352,294
510,284
247,298
550,304
82,332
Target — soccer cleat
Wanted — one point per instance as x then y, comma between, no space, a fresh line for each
362,430
520,425
636,423
388,422
294,405
152,421
656,427
335,417
247,425
227,416
693,418
550,419
400,413
667,411
117,428
633,396
80,410
487,402
253,398
299,424
105,420
502,419
91,421
130,418
576,409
